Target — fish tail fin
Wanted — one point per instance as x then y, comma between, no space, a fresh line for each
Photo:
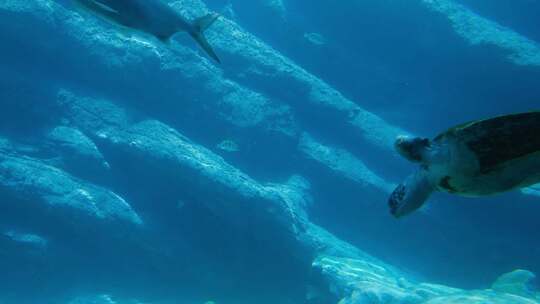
199,26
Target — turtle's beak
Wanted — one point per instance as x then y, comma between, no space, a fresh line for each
400,140
411,148
403,146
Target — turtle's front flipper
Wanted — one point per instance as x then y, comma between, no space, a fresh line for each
411,194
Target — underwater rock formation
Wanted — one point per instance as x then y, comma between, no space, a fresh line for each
259,66
479,30
238,103
143,133
58,193
242,101
363,282
155,147
343,163
517,282
277,210
533,190
75,150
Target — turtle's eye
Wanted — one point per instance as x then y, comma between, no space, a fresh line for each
425,142
401,141
412,148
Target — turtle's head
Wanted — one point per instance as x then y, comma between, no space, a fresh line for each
411,194
412,148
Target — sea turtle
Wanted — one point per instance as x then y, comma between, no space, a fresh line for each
478,158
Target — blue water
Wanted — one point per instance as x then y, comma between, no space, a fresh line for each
194,230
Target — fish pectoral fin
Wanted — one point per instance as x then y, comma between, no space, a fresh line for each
199,26
203,43
204,22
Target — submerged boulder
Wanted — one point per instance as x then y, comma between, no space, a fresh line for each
479,30
342,163
275,211
481,297
154,147
257,65
517,282
363,280
532,190
54,191
77,152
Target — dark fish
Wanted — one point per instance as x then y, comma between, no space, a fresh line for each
153,17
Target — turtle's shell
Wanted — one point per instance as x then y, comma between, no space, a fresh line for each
496,141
